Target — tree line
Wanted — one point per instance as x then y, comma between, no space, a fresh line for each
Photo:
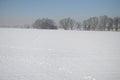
101,23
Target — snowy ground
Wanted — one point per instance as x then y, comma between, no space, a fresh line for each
27,54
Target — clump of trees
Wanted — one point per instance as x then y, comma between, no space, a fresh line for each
101,23
44,23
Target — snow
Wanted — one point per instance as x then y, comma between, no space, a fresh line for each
30,54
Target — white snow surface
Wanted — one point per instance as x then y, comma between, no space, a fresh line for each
30,54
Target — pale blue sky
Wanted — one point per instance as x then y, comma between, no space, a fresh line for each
13,12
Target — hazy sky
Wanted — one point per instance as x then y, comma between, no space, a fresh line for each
13,12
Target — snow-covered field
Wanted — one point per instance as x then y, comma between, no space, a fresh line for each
29,54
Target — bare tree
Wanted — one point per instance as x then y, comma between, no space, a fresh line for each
109,24
78,26
116,22
67,23
119,24
37,24
102,23
84,25
94,23
91,23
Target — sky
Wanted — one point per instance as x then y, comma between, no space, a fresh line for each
20,12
